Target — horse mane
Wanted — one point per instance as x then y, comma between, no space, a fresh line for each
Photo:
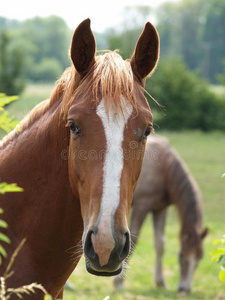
183,188
111,77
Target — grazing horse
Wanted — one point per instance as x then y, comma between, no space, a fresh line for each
68,156
165,180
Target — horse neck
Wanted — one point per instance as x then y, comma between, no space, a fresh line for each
36,160
46,213
184,193
40,142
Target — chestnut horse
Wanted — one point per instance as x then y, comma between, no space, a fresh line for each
69,159
165,180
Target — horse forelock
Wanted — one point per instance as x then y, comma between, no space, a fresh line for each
111,79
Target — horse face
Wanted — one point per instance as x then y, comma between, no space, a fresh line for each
190,255
105,159
105,156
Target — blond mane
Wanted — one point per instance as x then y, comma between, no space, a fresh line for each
111,77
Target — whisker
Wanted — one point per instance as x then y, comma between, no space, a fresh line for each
76,259
75,252
71,249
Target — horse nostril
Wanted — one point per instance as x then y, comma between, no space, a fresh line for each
126,248
88,246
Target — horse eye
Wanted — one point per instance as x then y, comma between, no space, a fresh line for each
74,128
148,130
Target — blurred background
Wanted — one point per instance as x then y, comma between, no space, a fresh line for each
189,83
192,60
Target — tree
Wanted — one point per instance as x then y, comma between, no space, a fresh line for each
194,30
45,41
188,101
221,77
214,38
11,66
218,255
125,37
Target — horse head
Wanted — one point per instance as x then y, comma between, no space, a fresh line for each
190,254
109,120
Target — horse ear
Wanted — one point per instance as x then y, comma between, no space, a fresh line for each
204,233
146,54
83,48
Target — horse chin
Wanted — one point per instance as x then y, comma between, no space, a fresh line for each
105,273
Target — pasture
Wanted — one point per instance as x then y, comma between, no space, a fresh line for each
204,155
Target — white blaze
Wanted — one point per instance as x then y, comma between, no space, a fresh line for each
185,283
114,125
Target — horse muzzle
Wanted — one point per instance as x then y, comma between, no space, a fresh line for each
104,255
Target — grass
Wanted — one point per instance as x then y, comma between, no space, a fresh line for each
204,155
32,95
219,89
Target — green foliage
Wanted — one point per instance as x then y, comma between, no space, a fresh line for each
3,238
48,69
11,65
194,29
6,123
125,40
188,101
47,297
221,77
6,188
218,256
214,38
45,41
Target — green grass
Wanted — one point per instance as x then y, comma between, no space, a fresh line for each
204,155
32,95
219,89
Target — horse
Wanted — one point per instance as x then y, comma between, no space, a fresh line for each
164,181
69,158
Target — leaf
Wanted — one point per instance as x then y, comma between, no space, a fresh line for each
3,224
219,241
7,123
4,238
222,275
5,188
221,259
48,297
2,251
215,258
4,100
218,251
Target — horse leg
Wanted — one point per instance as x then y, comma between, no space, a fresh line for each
159,218
137,219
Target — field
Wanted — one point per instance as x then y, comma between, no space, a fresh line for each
204,155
